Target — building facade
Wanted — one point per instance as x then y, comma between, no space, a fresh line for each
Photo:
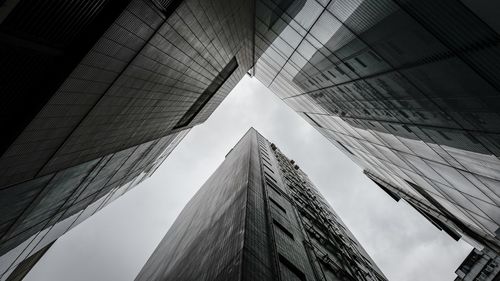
95,94
45,208
259,217
479,266
407,89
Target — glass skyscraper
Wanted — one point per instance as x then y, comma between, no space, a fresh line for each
95,94
259,217
407,89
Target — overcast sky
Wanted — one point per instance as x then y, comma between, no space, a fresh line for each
114,244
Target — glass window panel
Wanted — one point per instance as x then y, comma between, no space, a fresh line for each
326,26
460,200
308,14
424,168
291,37
458,181
459,213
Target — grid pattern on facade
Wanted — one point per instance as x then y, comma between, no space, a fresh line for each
113,119
135,84
35,213
404,88
248,222
206,240
329,247
42,42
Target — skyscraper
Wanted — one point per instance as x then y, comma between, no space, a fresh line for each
259,217
49,206
95,94
479,266
409,90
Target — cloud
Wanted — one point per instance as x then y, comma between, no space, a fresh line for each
115,243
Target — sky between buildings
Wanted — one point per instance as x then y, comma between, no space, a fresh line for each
114,244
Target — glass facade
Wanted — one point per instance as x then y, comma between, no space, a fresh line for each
37,212
118,84
407,89
97,93
23,268
135,84
259,217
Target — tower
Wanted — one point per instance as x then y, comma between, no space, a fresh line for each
407,89
259,217
96,93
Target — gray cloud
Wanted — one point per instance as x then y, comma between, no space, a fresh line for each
115,243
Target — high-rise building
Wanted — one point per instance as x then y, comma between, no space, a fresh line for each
409,90
95,94
49,206
479,266
259,217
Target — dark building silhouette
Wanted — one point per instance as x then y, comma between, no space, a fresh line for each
259,217
95,94
410,91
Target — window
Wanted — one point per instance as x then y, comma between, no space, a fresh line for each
203,99
269,169
275,203
281,8
333,75
349,66
289,271
267,161
268,176
273,186
283,229
266,158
